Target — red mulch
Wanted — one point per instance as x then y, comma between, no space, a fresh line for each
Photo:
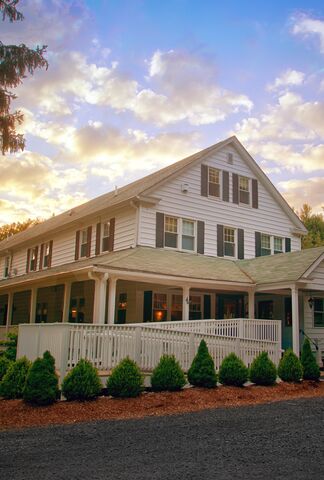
16,414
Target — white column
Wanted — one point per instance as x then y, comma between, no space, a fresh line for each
112,299
33,301
251,304
185,302
295,320
99,304
9,310
66,301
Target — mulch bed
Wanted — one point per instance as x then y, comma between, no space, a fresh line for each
15,414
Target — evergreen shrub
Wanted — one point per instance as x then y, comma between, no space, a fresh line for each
290,369
233,371
14,380
4,365
82,382
41,386
168,375
10,351
263,371
311,370
202,372
125,380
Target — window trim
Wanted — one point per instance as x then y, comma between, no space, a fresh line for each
220,172
235,242
249,204
6,269
46,256
272,249
322,312
84,230
102,237
180,233
33,267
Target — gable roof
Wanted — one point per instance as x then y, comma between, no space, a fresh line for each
283,267
140,187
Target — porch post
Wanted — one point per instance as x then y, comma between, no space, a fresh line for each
9,310
251,304
66,301
295,319
112,299
99,306
185,302
33,301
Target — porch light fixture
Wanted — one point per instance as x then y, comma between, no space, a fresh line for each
311,302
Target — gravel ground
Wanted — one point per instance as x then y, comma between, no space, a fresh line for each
280,440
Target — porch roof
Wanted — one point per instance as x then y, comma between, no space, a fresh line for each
283,267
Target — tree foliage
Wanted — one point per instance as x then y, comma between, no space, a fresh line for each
314,222
15,62
12,228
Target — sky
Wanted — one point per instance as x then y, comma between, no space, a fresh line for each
133,86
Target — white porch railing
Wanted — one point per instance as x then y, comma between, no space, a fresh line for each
106,345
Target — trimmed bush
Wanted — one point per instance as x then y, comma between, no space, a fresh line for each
202,371
168,375
82,382
13,382
41,386
263,371
4,365
311,370
233,371
290,369
125,380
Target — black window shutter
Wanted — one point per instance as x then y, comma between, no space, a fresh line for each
98,238
147,306
159,230
257,244
220,240
89,233
28,260
255,194
204,180
288,244
240,243
77,245
225,186
235,188
200,237
111,238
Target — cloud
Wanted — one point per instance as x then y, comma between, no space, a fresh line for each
288,78
298,192
309,27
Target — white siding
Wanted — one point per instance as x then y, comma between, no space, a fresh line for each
317,278
19,262
268,218
63,248
310,330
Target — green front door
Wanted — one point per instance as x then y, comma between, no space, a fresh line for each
287,325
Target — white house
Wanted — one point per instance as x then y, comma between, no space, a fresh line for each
208,237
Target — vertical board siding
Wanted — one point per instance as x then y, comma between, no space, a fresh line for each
267,218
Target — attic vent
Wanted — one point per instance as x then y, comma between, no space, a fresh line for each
230,159
184,188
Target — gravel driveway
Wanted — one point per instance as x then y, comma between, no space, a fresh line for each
280,440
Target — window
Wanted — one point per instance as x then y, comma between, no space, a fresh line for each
83,243
176,228
195,307
277,245
319,312
46,258
229,242
33,259
105,237
213,182
244,190
160,307
6,267
176,307
265,245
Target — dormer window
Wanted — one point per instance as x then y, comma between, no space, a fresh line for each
244,190
6,267
105,237
83,243
213,182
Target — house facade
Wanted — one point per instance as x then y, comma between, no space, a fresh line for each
206,237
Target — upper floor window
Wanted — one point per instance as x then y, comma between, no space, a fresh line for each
271,245
105,237
46,257
83,243
229,242
319,312
277,245
6,267
244,190
213,182
179,233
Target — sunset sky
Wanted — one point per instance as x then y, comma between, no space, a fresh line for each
133,86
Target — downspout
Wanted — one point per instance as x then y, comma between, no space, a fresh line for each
137,216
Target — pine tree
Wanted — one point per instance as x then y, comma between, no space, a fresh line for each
202,371
15,62
311,370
